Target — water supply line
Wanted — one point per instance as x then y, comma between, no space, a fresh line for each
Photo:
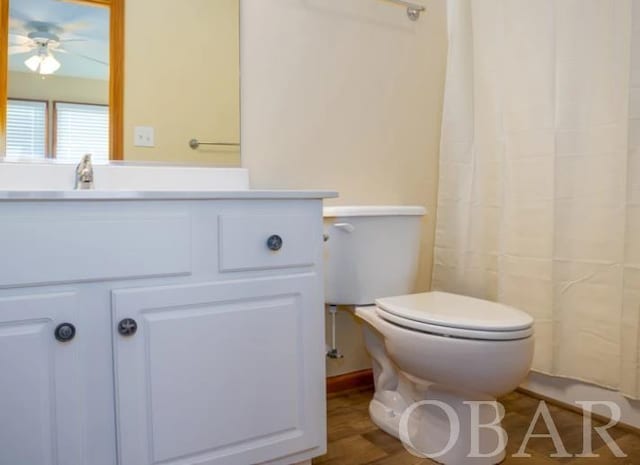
333,351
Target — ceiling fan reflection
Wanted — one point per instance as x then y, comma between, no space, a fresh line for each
45,43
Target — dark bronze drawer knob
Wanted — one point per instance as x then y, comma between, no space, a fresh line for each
274,242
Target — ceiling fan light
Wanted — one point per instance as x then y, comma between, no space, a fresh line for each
49,65
33,62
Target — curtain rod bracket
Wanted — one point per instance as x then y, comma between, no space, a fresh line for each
413,14
413,9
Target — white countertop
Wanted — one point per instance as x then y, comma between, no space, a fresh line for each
115,181
14,195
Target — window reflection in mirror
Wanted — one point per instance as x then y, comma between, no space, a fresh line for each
58,80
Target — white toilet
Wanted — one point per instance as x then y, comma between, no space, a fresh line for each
432,352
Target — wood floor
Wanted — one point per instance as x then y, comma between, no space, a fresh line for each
355,440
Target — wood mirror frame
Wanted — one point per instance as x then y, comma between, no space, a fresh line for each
116,72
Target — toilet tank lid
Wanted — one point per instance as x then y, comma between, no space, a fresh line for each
374,210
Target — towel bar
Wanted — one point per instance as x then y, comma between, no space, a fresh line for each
195,143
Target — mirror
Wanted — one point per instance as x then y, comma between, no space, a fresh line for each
136,82
61,79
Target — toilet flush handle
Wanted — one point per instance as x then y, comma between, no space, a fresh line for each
348,227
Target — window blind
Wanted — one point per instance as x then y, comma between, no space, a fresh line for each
26,129
81,129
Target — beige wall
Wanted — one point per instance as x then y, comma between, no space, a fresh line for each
346,96
63,88
181,77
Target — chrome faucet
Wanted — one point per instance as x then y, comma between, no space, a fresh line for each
84,173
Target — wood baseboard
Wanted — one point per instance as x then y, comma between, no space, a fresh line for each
350,381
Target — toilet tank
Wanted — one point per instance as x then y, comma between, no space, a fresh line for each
371,252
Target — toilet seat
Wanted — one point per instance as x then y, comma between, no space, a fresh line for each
444,314
454,332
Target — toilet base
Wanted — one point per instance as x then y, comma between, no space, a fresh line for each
424,424
403,407
425,383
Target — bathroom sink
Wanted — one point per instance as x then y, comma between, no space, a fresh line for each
122,176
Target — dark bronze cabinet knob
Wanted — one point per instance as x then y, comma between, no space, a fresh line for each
64,332
127,327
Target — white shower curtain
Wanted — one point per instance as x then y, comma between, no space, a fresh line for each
539,194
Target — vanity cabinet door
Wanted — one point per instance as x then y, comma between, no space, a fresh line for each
227,373
40,398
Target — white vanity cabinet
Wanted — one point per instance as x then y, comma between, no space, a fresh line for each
216,372
40,417
199,332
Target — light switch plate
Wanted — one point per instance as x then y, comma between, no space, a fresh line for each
144,136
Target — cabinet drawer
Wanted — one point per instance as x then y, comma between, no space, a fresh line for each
244,241
66,246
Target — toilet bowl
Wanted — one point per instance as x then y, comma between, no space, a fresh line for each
439,360
450,362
